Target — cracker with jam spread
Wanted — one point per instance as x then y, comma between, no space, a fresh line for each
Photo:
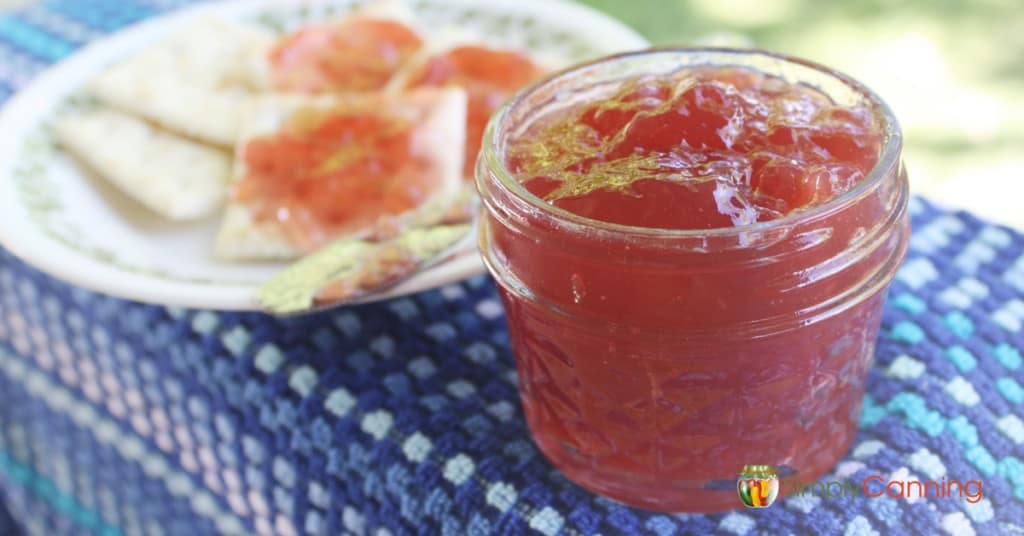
312,169
360,52
490,75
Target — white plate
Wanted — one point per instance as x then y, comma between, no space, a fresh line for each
72,225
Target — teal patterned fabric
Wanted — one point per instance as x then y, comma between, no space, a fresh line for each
403,417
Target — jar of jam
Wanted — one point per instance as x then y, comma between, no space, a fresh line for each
693,248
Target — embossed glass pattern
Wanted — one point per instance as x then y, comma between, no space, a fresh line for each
655,364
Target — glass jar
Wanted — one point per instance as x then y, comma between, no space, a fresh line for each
655,364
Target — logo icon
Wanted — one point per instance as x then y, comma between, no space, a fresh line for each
758,486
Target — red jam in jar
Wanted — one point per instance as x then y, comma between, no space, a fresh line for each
693,248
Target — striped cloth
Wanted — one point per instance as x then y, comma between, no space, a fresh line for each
403,418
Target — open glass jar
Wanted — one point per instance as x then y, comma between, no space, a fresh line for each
654,364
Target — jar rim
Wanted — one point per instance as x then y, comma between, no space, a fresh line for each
884,167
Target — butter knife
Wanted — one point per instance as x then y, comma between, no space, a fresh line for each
352,269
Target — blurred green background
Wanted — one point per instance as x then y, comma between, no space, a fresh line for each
953,72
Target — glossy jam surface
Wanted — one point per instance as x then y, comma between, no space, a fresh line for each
705,149
327,173
653,369
490,77
360,54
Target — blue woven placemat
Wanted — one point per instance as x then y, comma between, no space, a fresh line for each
403,417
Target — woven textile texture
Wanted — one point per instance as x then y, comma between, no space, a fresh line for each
403,417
